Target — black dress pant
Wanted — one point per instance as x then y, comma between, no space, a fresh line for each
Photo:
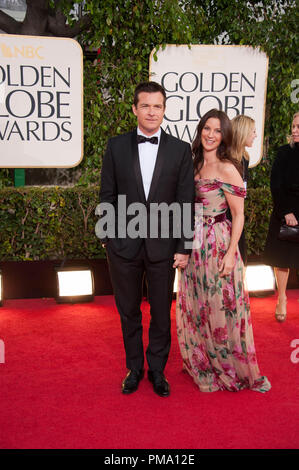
127,280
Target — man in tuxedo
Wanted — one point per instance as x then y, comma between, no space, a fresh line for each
146,166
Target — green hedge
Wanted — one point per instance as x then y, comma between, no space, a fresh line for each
48,223
57,223
258,208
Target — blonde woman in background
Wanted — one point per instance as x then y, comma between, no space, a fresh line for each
244,133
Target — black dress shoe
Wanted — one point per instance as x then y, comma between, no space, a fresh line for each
160,384
131,381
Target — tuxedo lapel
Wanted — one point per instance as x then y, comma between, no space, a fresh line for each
136,165
158,166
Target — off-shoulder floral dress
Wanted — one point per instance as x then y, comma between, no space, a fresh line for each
213,316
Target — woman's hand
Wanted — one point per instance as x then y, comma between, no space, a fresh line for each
227,264
291,219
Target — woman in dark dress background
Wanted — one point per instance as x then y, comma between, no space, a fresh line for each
244,133
285,194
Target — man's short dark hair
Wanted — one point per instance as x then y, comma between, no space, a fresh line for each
149,87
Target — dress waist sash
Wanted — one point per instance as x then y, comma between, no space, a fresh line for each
210,220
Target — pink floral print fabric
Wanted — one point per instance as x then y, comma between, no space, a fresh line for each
214,325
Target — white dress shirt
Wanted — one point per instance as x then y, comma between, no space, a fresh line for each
147,159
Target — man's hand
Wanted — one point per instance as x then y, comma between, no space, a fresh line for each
180,260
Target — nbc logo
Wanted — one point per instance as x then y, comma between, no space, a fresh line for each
27,52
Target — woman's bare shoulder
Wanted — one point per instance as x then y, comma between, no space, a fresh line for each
229,174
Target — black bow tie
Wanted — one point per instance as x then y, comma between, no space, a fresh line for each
141,139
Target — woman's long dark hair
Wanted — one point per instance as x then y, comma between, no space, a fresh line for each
224,149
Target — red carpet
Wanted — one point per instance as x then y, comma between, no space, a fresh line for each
60,385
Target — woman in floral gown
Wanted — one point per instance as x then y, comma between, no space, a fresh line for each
213,316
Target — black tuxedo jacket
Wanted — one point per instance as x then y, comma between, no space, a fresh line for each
172,182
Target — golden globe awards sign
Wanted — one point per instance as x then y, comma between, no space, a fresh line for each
197,79
41,114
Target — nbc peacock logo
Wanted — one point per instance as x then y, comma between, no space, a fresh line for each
27,52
